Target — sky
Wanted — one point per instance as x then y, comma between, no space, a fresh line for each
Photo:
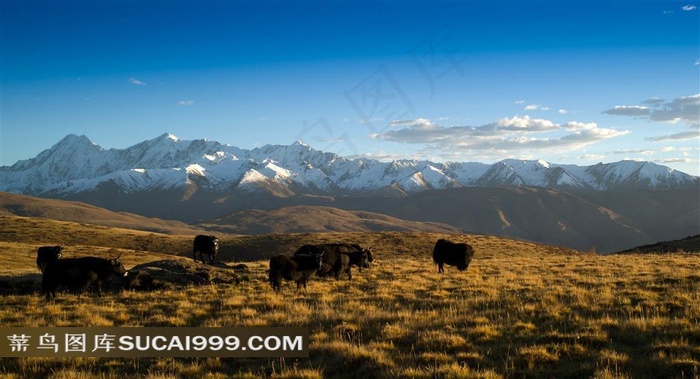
568,82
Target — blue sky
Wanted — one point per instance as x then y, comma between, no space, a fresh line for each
568,81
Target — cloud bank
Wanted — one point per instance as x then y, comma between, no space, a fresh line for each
136,82
685,109
505,134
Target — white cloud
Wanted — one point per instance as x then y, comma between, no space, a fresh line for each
562,111
654,101
575,125
592,157
185,103
688,7
685,109
136,82
501,136
520,102
591,135
676,137
697,62
675,160
533,107
385,156
525,123
636,151
417,123
628,110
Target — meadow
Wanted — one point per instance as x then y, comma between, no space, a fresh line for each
521,310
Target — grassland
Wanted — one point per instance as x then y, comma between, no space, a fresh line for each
521,310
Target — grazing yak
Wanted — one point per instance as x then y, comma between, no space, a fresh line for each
79,273
453,254
340,257
208,245
46,255
298,267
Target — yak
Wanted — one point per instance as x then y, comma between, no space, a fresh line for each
340,257
453,254
79,273
208,245
46,255
298,267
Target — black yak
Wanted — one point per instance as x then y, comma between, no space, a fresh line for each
47,254
208,245
79,273
298,268
453,254
339,258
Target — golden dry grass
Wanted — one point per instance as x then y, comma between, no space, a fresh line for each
520,310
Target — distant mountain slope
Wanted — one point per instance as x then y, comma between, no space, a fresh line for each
75,165
689,244
536,214
300,218
28,206
662,214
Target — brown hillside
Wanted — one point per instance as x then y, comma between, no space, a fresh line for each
688,244
662,214
236,248
535,214
301,218
28,206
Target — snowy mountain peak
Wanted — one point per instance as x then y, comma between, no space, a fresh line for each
76,165
628,174
169,136
166,138
72,140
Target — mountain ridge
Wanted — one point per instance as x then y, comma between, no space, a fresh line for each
75,164
604,207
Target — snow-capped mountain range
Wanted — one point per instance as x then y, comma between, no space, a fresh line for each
75,165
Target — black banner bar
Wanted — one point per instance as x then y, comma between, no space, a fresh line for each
135,342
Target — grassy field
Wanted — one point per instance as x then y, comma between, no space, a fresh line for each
521,310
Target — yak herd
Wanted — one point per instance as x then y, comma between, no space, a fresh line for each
329,259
